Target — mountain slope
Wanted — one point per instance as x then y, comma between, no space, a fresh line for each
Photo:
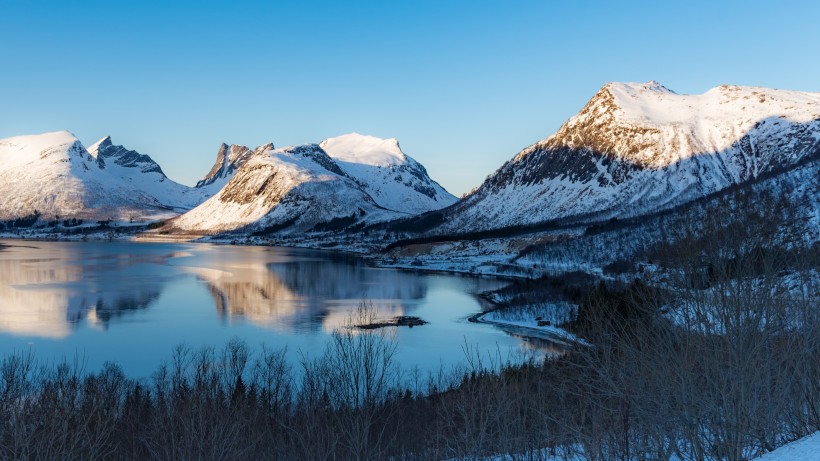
54,175
638,148
296,188
394,180
348,181
143,173
228,160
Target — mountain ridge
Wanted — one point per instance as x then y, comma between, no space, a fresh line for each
632,150
53,175
613,155
357,181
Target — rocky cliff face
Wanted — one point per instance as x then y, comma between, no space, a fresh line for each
228,160
106,152
638,148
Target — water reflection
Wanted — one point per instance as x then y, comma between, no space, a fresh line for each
307,292
47,290
134,302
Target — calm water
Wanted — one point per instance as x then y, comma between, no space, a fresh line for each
133,302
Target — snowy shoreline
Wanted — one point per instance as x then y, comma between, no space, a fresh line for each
528,328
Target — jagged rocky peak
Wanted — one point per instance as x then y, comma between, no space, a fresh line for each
264,148
105,151
228,160
102,144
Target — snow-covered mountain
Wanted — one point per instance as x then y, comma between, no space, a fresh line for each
142,172
638,148
358,180
394,180
228,160
54,175
296,186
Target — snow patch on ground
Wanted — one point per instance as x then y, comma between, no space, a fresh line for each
805,449
551,332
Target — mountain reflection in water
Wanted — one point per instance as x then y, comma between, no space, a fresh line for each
307,294
134,302
47,289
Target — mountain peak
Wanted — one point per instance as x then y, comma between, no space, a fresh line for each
54,174
102,144
228,159
639,147
657,87
637,89
364,149
105,151
264,148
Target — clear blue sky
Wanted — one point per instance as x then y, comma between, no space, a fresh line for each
463,85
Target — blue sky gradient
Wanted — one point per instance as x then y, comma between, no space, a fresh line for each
463,85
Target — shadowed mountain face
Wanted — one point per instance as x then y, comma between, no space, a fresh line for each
107,152
138,170
394,180
638,148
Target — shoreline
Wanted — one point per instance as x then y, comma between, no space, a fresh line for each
552,334
368,258
374,260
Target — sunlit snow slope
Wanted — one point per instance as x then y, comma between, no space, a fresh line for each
637,148
394,180
343,183
54,175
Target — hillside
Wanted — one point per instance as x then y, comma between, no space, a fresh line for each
640,148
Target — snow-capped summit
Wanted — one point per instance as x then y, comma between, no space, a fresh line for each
394,180
653,86
640,147
363,149
53,176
